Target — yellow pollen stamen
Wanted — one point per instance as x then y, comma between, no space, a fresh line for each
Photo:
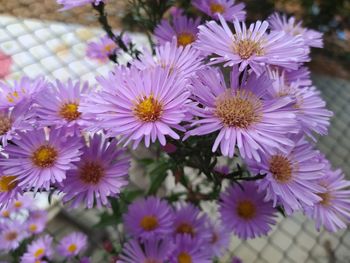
184,39
72,248
184,257
185,228
7,183
148,109
5,124
246,48
217,8
10,236
246,209
33,227
45,156
91,173
239,110
69,111
281,168
5,213
18,204
40,252
326,198
149,223
11,97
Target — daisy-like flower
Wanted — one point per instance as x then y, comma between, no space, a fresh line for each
291,176
333,210
72,244
229,9
59,105
220,238
69,4
290,26
148,218
18,118
153,250
101,172
184,61
310,109
11,235
183,28
244,211
102,49
22,202
38,161
39,250
9,189
36,221
187,250
251,46
241,116
189,221
146,105
24,89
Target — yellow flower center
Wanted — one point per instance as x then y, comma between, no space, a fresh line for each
217,8
91,173
281,168
184,257
33,227
40,252
7,183
149,223
10,236
69,111
239,110
246,209
110,47
326,198
72,248
184,39
18,204
5,213
45,156
246,48
185,228
148,109
5,124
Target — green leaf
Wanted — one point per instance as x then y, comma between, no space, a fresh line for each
158,175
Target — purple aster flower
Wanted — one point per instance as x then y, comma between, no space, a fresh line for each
148,218
69,4
333,210
18,118
290,26
290,177
72,244
227,8
101,172
236,260
102,49
185,61
11,235
253,46
240,114
36,221
39,250
22,202
59,105
183,28
220,238
24,89
244,210
189,221
188,250
38,161
9,189
149,105
152,250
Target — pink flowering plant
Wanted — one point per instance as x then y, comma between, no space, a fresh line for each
227,113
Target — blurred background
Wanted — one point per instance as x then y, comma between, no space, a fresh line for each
36,39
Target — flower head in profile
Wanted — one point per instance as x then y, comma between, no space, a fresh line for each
290,177
229,9
149,218
153,250
244,211
11,235
251,46
39,250
333,210
23,89
39,159
72,244
290,26
241,115
183,28
102,171
59,104
69,4
36,221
